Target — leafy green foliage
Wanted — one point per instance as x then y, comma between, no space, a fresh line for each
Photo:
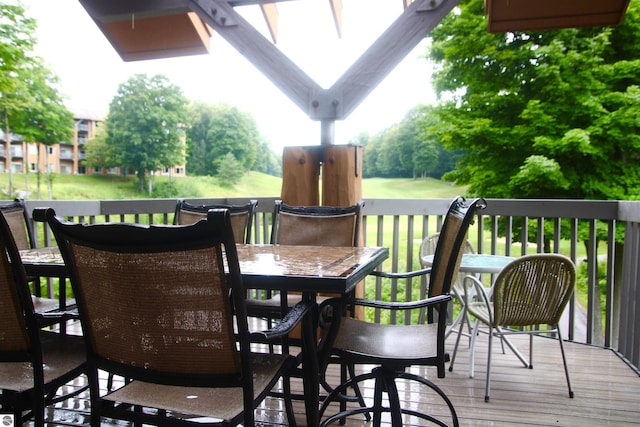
540,114
229,170
146,124
29,99
217,130
407,149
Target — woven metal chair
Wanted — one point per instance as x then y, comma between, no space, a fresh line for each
34,363
393,348
241,216
158,308
17,218
528,297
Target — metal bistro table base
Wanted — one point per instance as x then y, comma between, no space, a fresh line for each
306,269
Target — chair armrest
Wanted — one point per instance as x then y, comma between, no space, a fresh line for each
405,275
409,305
290,321
57,315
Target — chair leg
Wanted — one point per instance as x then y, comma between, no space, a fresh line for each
564,361
515,351
394,400
288,403
455,348
472,352
488,382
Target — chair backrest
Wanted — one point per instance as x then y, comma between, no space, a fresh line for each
316,225
241,216
533,290
451,244
18,219
429,243
17,323
154,300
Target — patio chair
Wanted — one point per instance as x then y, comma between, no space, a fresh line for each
35,364
428,247
528,297
17,218
241,216
307,225
393,348
180,335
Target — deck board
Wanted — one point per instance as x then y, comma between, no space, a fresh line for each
607,391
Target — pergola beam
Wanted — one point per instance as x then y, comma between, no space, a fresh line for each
337,102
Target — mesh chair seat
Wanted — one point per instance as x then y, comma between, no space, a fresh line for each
397,344
224,402
63,356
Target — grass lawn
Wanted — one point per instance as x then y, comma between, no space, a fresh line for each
114,187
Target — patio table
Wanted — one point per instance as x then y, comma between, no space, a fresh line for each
306,269
477,263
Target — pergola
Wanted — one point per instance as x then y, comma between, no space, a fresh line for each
147,29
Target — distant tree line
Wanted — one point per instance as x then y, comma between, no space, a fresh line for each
408,149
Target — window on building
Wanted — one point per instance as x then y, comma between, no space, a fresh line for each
33,167
52,167
178,171
50,150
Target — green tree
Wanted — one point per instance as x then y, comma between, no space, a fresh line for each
16,42
217,130
565,100
145,126
229,170
45,119
29,98
267,161
98,151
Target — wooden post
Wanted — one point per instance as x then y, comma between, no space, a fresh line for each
300,175
342,175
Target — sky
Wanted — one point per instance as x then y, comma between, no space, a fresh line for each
90,70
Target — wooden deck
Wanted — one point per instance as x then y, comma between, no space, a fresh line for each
607,391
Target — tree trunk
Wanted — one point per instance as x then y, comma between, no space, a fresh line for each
38,172
7,138
140,174
46,163
150,189
25,156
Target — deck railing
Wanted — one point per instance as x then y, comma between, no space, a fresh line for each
606,231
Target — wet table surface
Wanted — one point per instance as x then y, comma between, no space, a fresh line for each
281,267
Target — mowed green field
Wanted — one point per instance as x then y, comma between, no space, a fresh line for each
111,187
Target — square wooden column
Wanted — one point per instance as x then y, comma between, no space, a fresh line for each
340,167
